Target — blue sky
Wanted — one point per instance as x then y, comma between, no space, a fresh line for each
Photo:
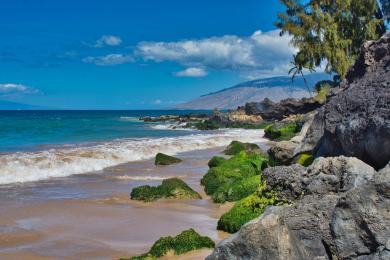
122,54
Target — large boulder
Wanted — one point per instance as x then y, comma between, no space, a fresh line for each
356,119
360,223
319,225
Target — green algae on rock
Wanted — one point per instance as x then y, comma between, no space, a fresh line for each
215,161
233,179
235,147
282,131
186,241
305,159
247,209
164,159
173,188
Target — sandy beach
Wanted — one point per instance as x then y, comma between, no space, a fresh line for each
90,216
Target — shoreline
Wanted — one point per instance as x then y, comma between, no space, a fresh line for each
91,215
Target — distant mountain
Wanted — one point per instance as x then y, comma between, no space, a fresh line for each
275,88
8,105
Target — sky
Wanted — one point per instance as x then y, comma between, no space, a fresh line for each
139,54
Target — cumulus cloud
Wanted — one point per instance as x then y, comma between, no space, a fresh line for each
262,52
191,72
109,60
108,40
11,88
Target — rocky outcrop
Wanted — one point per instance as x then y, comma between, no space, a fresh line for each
240,115
360,223
344,213
286,152
356,119
270,111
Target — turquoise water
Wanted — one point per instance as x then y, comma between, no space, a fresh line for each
33,130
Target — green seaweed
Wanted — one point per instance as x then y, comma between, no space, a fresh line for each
216,161
247,209
305,159
186,241
235,147
172,188
282,132
164,159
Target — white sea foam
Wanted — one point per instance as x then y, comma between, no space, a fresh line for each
61,162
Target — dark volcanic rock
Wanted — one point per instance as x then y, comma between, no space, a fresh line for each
304,230
356,120
360,223
269,110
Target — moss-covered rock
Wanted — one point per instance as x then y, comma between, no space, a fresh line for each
247,209
164,159
186,241
305,159
172,188
216,161
282,131
225,181
235,147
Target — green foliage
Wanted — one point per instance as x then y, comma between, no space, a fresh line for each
186,241
329,31
169,188
164,159
305,159
247,209
322,92
225,181
215,161
236,147
282,131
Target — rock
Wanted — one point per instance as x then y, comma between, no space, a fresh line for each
236,147
360,222
336,174
173,188
286,181
304,230
283,233
240,116
287,152
271,111
356,119
164,159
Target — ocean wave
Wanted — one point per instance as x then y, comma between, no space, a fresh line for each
60,162
172,126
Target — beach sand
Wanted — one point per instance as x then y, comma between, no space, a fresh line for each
90,216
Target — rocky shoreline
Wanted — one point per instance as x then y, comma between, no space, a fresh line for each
323,190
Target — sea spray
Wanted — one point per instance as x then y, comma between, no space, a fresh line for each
60,162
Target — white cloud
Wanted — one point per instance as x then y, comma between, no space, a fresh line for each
109,60
261,53
157,102
191,72
11,88
109,40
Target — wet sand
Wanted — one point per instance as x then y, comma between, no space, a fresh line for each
90,216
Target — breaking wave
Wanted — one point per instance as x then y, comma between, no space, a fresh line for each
64,161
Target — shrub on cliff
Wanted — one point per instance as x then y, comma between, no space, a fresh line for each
247,209
186,241
172,188
235,147
225,181
164,159
281,132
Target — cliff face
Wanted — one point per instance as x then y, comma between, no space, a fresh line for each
356,120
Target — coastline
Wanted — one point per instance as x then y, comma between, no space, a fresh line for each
90,215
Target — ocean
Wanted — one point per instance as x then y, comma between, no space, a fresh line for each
38,145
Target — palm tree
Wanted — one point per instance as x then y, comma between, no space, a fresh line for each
297,69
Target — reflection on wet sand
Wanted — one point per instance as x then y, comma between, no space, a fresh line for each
90,216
